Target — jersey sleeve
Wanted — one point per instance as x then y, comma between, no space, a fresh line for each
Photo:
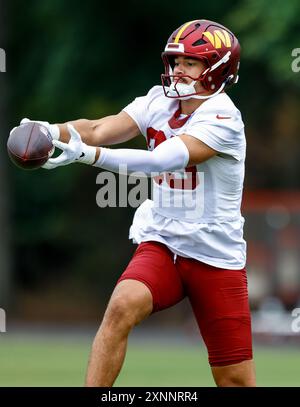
223,131
138,110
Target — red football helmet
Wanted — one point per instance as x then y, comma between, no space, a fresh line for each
214,45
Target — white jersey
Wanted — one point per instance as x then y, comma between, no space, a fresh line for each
196,211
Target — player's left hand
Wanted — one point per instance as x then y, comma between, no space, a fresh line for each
73,151
52,128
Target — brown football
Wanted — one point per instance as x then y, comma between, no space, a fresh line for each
29,145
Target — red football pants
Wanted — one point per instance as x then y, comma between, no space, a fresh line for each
219,298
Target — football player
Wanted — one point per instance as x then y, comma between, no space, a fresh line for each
190,235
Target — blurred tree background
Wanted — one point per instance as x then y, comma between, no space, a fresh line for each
73,59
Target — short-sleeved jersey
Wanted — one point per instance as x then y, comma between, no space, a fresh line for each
195,211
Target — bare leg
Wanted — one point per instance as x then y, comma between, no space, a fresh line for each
241,374
130,303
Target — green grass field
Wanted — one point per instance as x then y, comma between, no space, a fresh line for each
60,362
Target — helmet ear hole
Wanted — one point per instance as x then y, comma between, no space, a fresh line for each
226,70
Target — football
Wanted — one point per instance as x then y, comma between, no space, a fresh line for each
30,145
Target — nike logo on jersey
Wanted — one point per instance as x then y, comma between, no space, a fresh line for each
223,117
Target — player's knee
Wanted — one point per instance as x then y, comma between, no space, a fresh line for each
118,313
230,381
235,380
124,313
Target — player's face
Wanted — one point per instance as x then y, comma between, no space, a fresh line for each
188,66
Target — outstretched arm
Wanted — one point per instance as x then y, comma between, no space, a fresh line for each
109,130
106,131
171,155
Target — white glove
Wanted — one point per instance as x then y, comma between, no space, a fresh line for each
52,128
74,151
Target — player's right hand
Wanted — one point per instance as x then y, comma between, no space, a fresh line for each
73,151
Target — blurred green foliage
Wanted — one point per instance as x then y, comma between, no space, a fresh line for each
71,59
268,33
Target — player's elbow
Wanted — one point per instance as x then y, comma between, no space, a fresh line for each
164,160
159,165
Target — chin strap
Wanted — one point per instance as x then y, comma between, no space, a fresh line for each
183,89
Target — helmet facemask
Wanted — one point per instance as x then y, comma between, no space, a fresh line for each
172,86
182,91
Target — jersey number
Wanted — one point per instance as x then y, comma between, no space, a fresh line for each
191,179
